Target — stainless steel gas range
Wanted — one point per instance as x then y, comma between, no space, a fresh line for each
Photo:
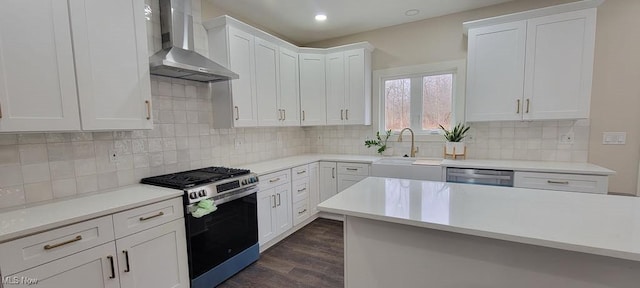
223,235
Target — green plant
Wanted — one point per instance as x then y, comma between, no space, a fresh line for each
378,142
456,134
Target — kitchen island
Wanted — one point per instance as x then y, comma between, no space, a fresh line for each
409,233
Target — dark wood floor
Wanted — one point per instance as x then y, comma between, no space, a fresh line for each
311,257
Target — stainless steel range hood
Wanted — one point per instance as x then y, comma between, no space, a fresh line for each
177,58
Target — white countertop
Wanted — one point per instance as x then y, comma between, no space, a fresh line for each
590,223
271,166
22,222
533,166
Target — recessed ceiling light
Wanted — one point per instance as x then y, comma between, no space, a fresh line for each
412,12
321,17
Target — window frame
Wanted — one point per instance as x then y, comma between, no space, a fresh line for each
455,67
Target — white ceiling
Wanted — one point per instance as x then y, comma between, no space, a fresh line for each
294,19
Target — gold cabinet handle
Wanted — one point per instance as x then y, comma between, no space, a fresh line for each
301,172
333,173
518,106
279,199
303,189
341,114
148,103
302,115
113,267
302,212
558,182
126,259
274,201
237,113
527,111
346,113
274,180
49,247
279,114
151,217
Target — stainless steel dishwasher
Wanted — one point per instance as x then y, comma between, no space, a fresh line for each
480,176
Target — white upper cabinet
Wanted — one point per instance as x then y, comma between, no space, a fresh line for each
313,101
496,72
537,68
559,65
235,103
112,63
289,100
348,77
37,77
284,85
269,112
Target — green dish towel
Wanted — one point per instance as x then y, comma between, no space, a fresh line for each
205,207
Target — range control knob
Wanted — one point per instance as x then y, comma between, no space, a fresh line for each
193,195
202,193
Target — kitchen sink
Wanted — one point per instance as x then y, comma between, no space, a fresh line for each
408,168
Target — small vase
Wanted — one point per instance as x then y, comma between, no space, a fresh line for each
388,151
454,149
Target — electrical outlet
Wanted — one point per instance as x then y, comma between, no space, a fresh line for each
237,143
614,138
469,139
567,138
113,156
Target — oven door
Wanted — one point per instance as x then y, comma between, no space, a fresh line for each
231,229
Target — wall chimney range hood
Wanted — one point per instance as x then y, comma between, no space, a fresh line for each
177,59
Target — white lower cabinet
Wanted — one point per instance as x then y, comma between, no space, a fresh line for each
328,180
87,254
314,187
562,182
335,177
93,268
143,255
274,206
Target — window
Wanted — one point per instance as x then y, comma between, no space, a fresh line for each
421,97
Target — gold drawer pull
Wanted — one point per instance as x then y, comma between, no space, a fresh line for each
558,182
49,247
301,172
151,217
352,169
303,189
148,109
302,212
274,180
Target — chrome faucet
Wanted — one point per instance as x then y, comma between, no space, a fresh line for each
413,142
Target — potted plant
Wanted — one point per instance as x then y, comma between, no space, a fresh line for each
381,142
454,145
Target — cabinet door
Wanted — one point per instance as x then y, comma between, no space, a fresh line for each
335,88
156,257
266,215
88,269
313,97
112,64
37,77
289,100
314,187
284,218
346,181
495,72
269,114
559,65
328,180
241,61
358,105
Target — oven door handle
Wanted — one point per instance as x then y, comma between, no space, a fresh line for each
230,198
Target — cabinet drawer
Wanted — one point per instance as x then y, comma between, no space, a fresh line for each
300,211
300,172
275,179
562,182
300,190
138,219
31,251
361,169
